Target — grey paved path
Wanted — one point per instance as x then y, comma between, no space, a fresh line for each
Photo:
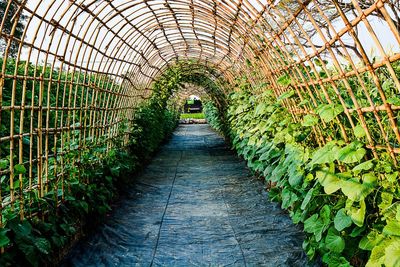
196,204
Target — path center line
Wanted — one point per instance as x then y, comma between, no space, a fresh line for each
165,210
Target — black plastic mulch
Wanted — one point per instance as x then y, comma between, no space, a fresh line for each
196,204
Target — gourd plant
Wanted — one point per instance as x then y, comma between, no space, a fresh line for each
91,177
347,200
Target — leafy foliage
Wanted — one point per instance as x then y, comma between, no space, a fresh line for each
8,25
348,205
213,116
92,179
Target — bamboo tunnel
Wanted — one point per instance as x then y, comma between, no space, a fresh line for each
75,70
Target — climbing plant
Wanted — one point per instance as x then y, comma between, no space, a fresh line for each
292,85
91,179
347,200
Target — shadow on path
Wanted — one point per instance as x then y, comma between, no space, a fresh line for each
196,204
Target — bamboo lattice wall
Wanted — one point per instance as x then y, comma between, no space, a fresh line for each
80,68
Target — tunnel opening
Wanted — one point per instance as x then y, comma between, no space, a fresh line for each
193,104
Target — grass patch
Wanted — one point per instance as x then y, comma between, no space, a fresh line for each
192,116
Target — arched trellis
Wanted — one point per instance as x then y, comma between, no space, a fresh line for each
81,67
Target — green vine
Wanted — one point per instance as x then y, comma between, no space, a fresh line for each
92,177
349,206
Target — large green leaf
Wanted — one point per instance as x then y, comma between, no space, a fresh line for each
326,154
377,256
333,241
307,198
392,210
392,228
30,253
3,164
288,198
310,120
284,80
330,181
278,172
359,131
21,229
357,214
364,166
240,109
354,190
352,153
43,245
296,178
329,112
325,214
371,240
286,95
370,179
398,213
341,220
19,169
394,101
260,109
386,201
270,154
315,225
335,260
392,253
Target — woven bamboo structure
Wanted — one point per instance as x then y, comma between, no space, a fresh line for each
82,66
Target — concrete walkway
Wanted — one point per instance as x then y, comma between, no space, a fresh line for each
196,204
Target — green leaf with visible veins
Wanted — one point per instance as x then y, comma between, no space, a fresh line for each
357,214
356,191
352,153
365,166
377,256
329,112
371,240
333,241
325,214
288,198
326,154
341,220
314,225
43,245
392,228
330,181
392,253
307,198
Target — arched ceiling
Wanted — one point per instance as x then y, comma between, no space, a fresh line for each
138,39
133,42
